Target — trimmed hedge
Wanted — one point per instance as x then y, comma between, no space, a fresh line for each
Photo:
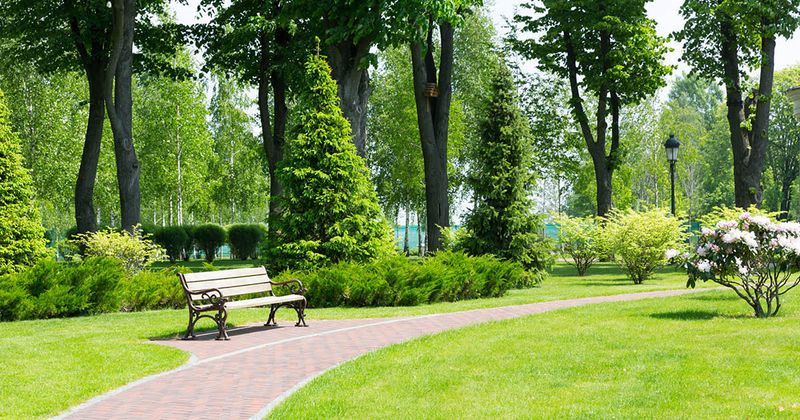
400,281
244,240
209,237
173,239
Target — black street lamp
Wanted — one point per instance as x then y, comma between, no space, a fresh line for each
672,145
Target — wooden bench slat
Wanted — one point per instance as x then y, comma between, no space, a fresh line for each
240,290
231,282
224,274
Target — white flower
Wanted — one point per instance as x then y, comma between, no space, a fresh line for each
703,266
701,250
707,232
762,222
726,224
744,216
671,253
736,235
789,227
743,270
789,244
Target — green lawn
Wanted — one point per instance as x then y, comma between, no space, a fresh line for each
50,365
697,356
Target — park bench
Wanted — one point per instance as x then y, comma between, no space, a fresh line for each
209,295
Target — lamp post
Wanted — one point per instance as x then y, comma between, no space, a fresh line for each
794,95
672,145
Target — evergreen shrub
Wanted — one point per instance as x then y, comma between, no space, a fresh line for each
209,237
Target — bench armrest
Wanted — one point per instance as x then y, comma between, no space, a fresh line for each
295,286
214,296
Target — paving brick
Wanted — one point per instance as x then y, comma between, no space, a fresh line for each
240,377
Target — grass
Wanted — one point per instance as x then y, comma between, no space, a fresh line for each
49,365
698,356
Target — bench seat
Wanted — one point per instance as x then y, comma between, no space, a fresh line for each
263,301
213,291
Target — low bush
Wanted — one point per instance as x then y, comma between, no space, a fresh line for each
152,290
173,239
134,250
639,240
753,255
244,240
581,239
209,237
400,281
51,289
188,246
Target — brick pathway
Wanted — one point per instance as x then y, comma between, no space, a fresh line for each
246,376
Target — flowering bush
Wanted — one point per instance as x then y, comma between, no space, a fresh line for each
580,238
135,250
753,255
639,240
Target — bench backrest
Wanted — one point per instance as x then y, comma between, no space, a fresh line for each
240,281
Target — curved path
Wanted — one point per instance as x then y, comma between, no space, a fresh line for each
248,375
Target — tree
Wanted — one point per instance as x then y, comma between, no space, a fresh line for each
783,155
433,94
607,48
723,40
501,222
21,233
254,41
176,145
97,39
330,212
240,187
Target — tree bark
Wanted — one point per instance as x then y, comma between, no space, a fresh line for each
178,166
274,137
352,77
119,104
603,164
405,233
85,215
433,115
749,146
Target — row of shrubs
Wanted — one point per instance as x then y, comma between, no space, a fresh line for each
180,241
401,281
94,285
102,284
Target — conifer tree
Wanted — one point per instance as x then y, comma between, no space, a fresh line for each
330,211
502,223
21,233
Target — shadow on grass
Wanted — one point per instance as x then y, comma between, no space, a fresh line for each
715,297
688,315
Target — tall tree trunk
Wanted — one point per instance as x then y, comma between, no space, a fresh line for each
352,76
179,169
596,143
433,117
119,104
786,200
405,233
749,146
85,216
274,137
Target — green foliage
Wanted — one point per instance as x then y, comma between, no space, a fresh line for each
51,289
132,249
640,240
209,237
244,240
173,239
400,281
581,239
22,240
721,213
502,223
330,211
152,290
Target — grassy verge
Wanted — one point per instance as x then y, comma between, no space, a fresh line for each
699,356
50,365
